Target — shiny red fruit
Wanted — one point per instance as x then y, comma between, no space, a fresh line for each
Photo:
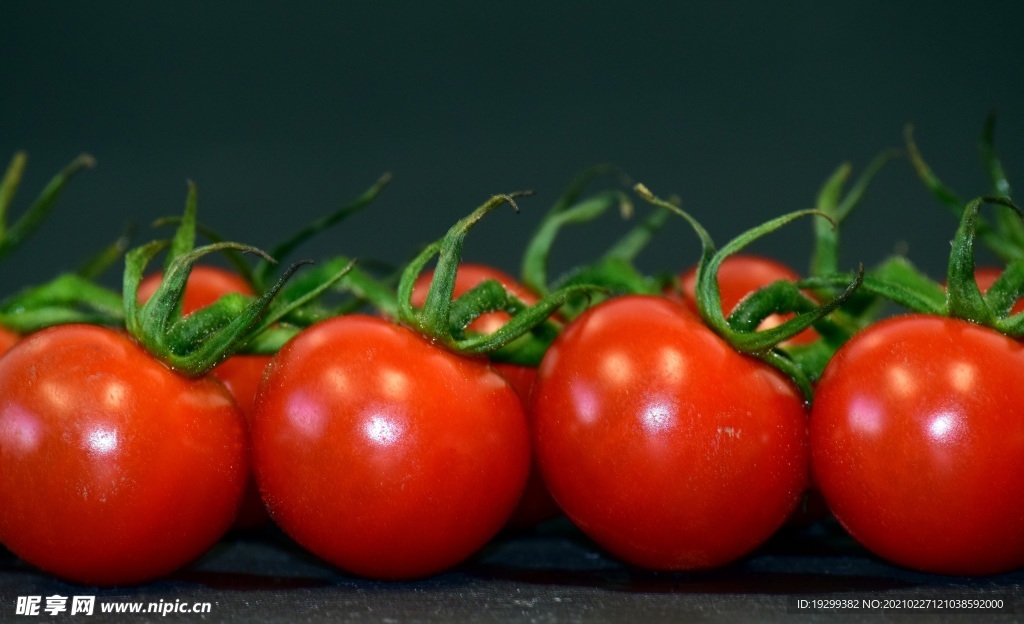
662,443
113,468
384,454
918,444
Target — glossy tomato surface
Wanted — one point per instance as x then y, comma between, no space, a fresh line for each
384,454
536,505
917,434
740,275
241,375
113,469
662,443
206,284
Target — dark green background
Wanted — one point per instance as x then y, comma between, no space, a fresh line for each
282,111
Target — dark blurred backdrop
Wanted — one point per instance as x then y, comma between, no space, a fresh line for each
282,111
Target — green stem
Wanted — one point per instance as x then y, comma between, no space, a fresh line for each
261,273
11,237
538,251
964,298
432,320
760,343
832,202
1005,249
1006,290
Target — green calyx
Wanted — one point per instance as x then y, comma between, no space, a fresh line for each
739,330
613,271
194,344
526,335
837,206
898,281
296,305
69,298
1004,236
260,277
964,298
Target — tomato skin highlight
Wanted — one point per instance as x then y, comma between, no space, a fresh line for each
917,441
384,454
663,444
113,469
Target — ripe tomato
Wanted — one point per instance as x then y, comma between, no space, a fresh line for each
113,469
384,454
663,444
7,339
740,275
918,444
206,285
536,505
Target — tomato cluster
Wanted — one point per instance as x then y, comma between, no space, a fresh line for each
678,421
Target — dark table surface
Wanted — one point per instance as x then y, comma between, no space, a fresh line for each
552,574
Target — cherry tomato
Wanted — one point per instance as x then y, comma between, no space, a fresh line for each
663,444
536,505
113,469
384,454
206,285
7,339
918,444
740,275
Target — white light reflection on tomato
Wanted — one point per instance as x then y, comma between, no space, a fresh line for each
383,430
101,441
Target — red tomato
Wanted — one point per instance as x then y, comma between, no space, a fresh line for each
739,276
384,454
206,285
918,444
663,444
113,469
7,339
241,375
536,505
